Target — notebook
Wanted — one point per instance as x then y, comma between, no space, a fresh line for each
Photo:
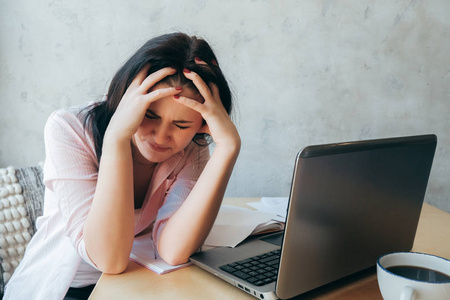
144,253
349,203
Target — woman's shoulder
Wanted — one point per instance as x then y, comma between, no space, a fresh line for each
72,113
72,117
69,124
66,131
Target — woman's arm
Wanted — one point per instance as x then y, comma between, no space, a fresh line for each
109,228
189,226
187,229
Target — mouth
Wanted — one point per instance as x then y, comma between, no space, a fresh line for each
157,148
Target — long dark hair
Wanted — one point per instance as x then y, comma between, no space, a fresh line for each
176,50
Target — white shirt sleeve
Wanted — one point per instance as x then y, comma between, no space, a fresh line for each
70,173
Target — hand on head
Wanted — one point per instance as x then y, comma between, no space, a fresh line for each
136,100
142,93
218,123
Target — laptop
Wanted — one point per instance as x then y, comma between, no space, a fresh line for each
349,203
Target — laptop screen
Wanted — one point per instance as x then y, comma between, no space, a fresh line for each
349,204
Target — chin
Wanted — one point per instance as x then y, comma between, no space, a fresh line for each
157,157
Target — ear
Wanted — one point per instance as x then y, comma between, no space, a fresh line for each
204,129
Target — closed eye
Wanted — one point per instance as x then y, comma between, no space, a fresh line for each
151,115
182,127
182,123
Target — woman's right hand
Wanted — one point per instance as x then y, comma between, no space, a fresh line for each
109,228
135,102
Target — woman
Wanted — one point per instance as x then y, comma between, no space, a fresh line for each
135,162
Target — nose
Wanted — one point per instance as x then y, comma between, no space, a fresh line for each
161,134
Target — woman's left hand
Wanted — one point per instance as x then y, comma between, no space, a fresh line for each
218,123
189,226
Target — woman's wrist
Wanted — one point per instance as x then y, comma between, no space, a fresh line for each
230,147
115,146
232,142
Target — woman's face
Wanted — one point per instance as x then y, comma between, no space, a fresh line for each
168,127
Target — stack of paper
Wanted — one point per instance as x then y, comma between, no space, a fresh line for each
234,224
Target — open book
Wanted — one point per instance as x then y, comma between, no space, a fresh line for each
145,254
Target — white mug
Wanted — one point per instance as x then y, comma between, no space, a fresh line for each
411,275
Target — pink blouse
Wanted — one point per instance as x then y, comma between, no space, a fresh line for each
55,252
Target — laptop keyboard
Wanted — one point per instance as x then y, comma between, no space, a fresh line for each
257,270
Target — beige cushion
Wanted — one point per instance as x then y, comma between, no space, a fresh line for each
21,202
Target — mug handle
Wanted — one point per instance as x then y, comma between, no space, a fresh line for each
407,293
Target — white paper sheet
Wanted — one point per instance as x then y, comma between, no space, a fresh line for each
274,205
234,224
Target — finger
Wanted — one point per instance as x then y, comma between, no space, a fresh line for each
190,103
199,61
155,77
214,89
160,93
140,77
199,83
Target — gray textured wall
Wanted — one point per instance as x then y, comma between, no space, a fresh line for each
303,72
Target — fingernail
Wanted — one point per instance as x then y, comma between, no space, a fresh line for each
198,59
176,96
178,88
186,70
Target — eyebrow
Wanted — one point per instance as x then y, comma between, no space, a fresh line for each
174,121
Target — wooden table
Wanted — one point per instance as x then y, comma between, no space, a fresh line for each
433,237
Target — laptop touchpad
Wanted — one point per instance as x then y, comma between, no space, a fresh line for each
274,239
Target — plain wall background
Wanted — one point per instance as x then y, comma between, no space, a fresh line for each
302,72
